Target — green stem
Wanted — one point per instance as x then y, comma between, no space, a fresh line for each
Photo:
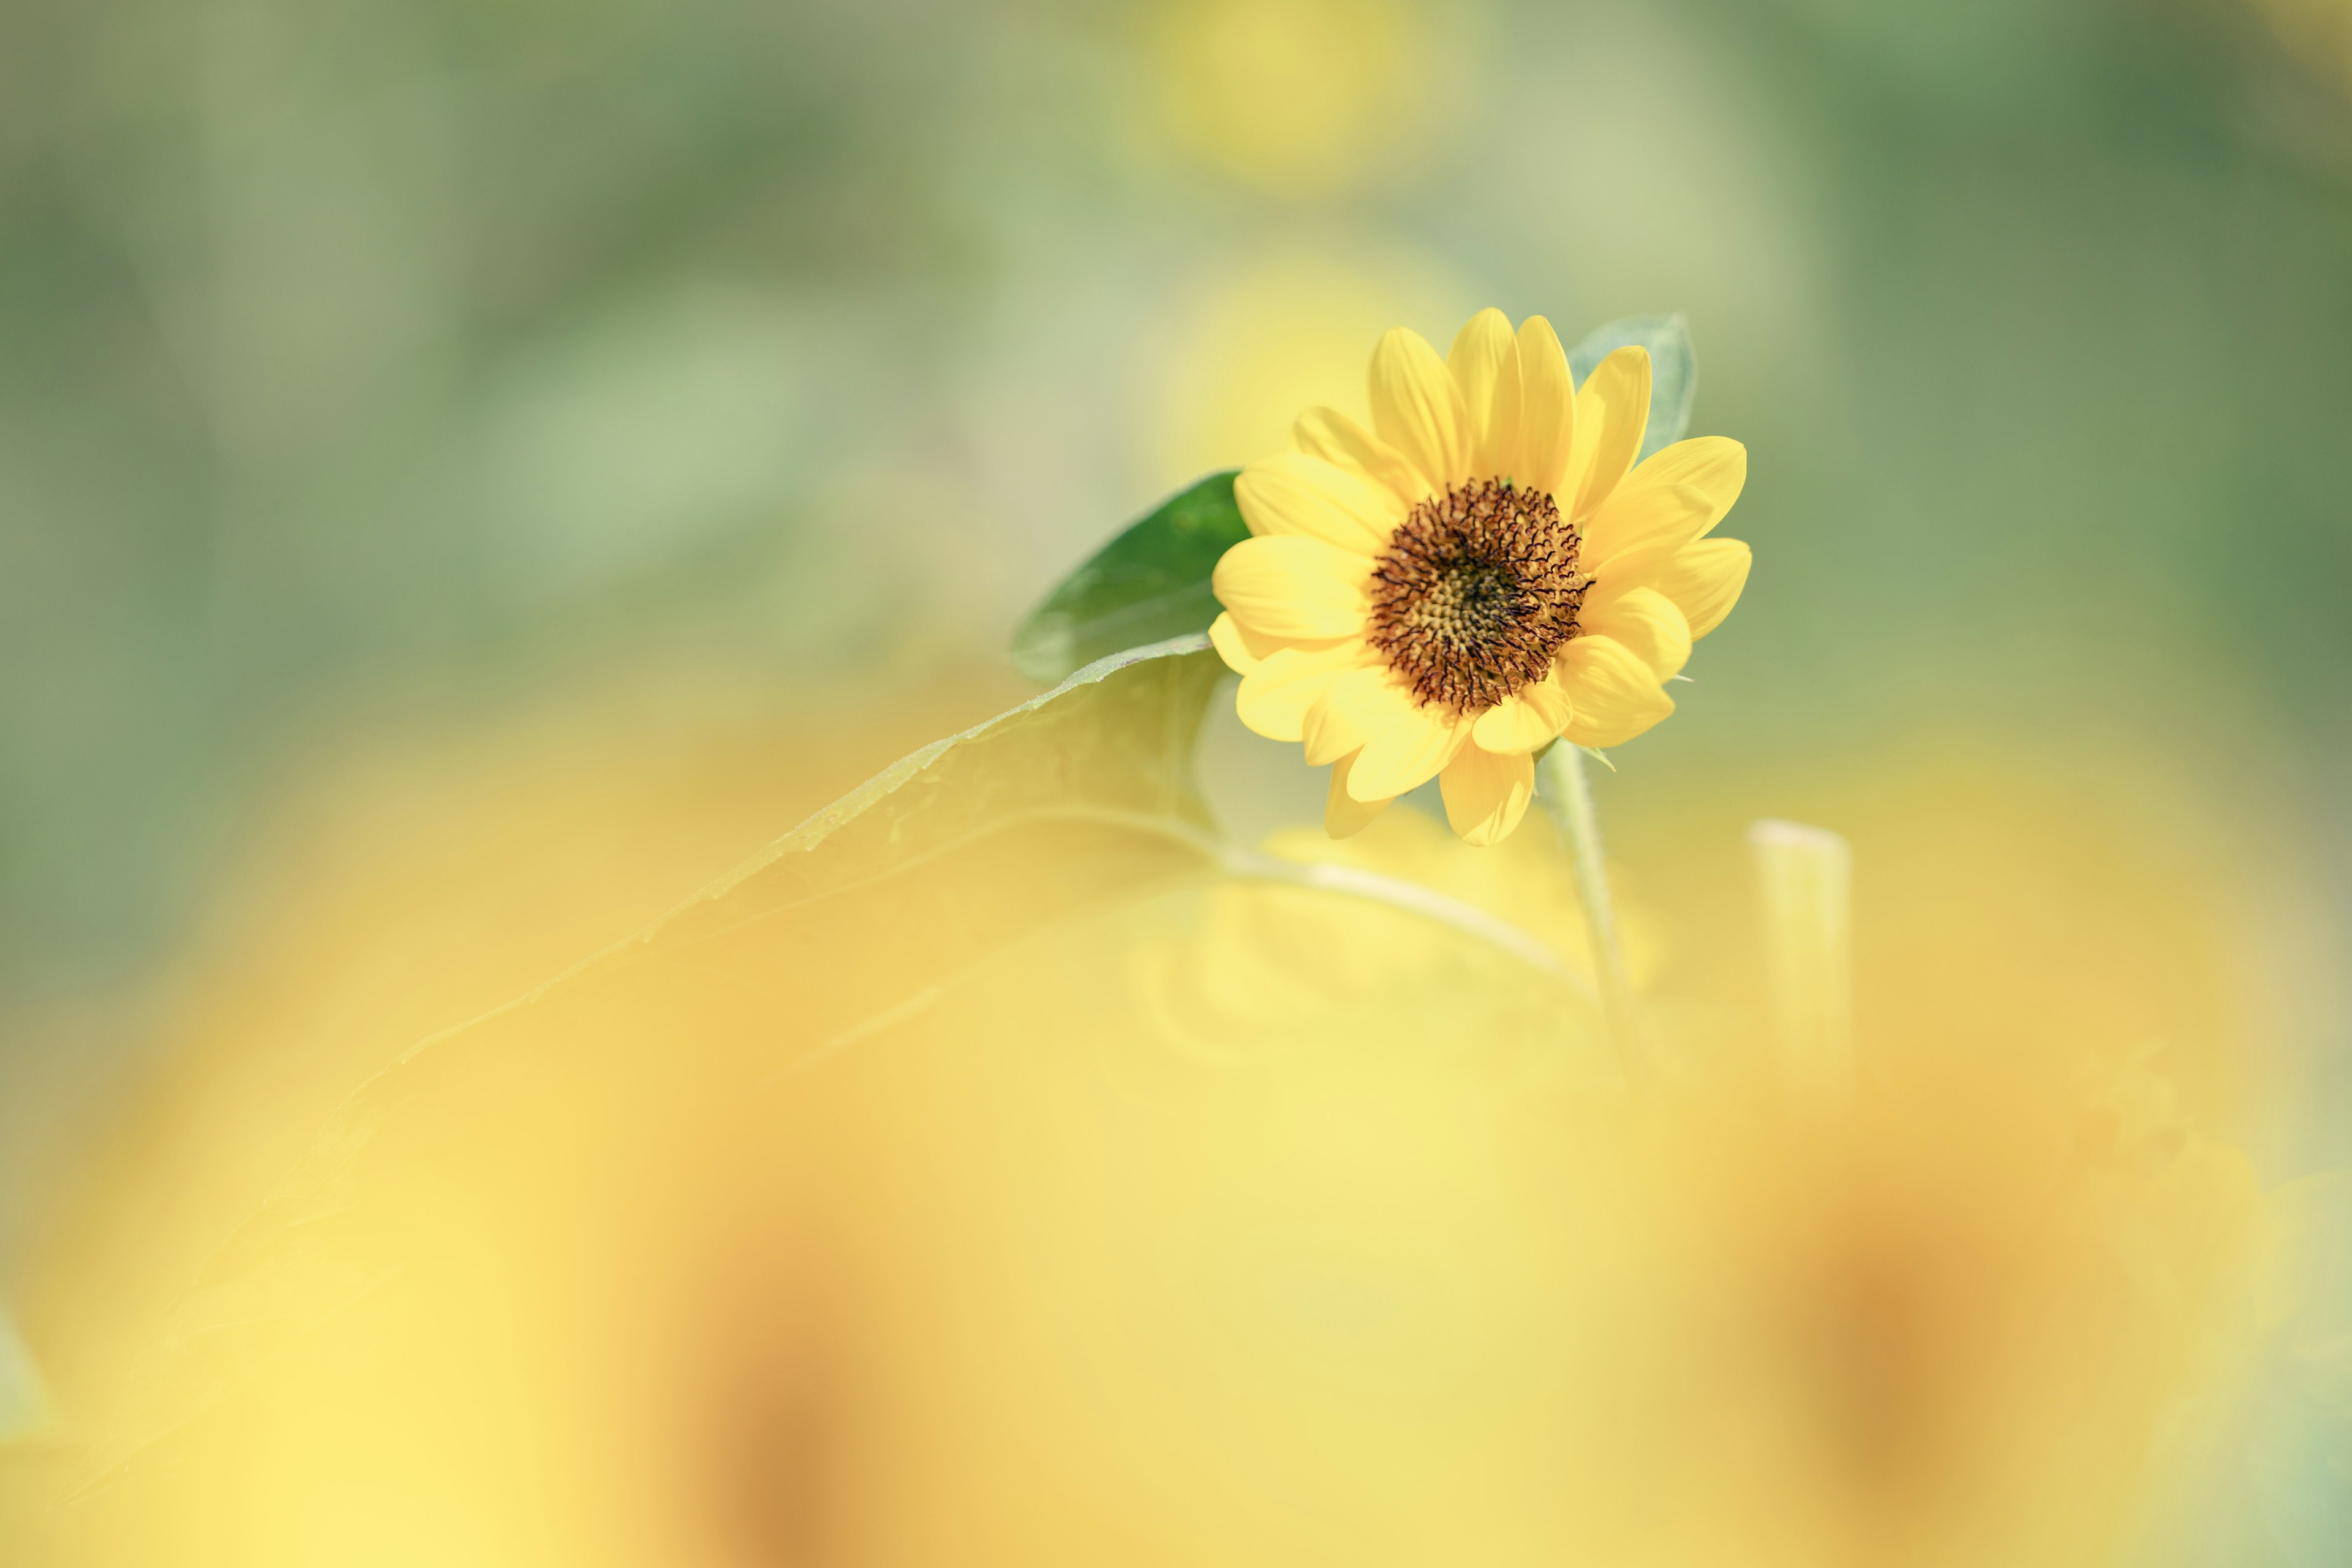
1568,796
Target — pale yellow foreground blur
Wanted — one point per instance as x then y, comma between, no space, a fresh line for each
1249,1226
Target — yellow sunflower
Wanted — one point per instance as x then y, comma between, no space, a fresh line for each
1483,571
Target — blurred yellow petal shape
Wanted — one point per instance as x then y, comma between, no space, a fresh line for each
1357,707
1613,410
1275,697
1547,407
1485,360
1486,792
1344,815
1616,695
1646,621
1292,493
1292,588
1418,408
1703,580
1527,719
1233,645
1328,434
1672,499
1406,755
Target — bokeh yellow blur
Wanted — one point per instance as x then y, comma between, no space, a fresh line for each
1249,1223
472,475
1303,95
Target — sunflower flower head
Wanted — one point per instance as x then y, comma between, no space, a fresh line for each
1486,570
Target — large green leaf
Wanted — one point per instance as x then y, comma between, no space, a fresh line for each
1673,370
1149,583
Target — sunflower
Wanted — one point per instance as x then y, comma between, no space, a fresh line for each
1483,571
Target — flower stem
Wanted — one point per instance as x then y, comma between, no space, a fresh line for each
1561,786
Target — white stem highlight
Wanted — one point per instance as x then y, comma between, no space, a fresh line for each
1804,886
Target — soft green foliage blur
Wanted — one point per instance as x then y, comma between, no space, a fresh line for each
398,355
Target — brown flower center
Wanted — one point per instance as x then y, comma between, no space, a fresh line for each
1476,593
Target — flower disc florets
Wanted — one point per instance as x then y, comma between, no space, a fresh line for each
1476,591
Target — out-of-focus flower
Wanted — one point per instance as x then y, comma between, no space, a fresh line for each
2316,33
1483,571
1296,95
1976,1315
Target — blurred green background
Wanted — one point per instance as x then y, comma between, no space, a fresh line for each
372,366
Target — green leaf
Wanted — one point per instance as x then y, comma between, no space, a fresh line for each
1673,370
1149,583
1079,798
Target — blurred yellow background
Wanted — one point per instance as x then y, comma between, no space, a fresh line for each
472,473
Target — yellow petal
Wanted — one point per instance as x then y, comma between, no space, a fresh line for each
1703,580
1646,621
1418,409
1716,464
1274,698
1526,718
1672,499
1344,815
1355,707
1486,794
1294,493
1291,588
1225,636
1547,407
1486,365
1615,695
1612,410
1629,569
1328,434
1666,517
1407,755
